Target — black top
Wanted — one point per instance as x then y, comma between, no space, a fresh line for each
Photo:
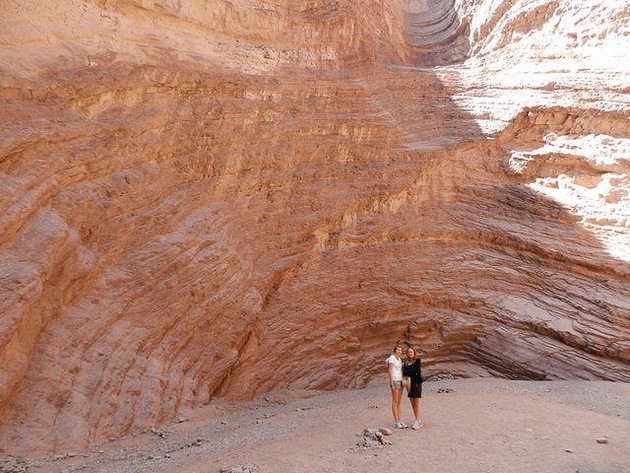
414,372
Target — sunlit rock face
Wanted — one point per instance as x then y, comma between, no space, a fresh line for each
223,198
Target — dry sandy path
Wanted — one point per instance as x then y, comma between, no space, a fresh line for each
479,425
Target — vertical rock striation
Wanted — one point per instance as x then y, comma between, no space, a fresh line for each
222,198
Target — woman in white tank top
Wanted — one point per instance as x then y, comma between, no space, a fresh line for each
394,368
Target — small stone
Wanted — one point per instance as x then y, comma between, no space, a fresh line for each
602,440
12,465
247,468
372,438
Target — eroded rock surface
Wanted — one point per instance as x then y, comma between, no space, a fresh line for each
222,198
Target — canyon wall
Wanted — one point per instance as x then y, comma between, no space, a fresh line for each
224,198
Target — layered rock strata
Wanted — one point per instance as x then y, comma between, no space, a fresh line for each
218,198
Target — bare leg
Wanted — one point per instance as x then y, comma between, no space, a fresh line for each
416,406
396,401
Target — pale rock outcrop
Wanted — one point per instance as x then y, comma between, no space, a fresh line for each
223,198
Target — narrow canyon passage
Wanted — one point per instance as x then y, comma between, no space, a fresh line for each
220,199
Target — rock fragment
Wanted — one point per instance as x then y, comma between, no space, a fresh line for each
374,438
247,468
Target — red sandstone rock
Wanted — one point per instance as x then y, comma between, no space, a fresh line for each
223,198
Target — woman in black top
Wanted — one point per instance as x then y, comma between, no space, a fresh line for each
412,369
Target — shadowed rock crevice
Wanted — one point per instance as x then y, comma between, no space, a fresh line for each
435,33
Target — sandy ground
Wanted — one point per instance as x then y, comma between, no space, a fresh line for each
478,425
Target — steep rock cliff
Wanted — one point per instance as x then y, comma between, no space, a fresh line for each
222,198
